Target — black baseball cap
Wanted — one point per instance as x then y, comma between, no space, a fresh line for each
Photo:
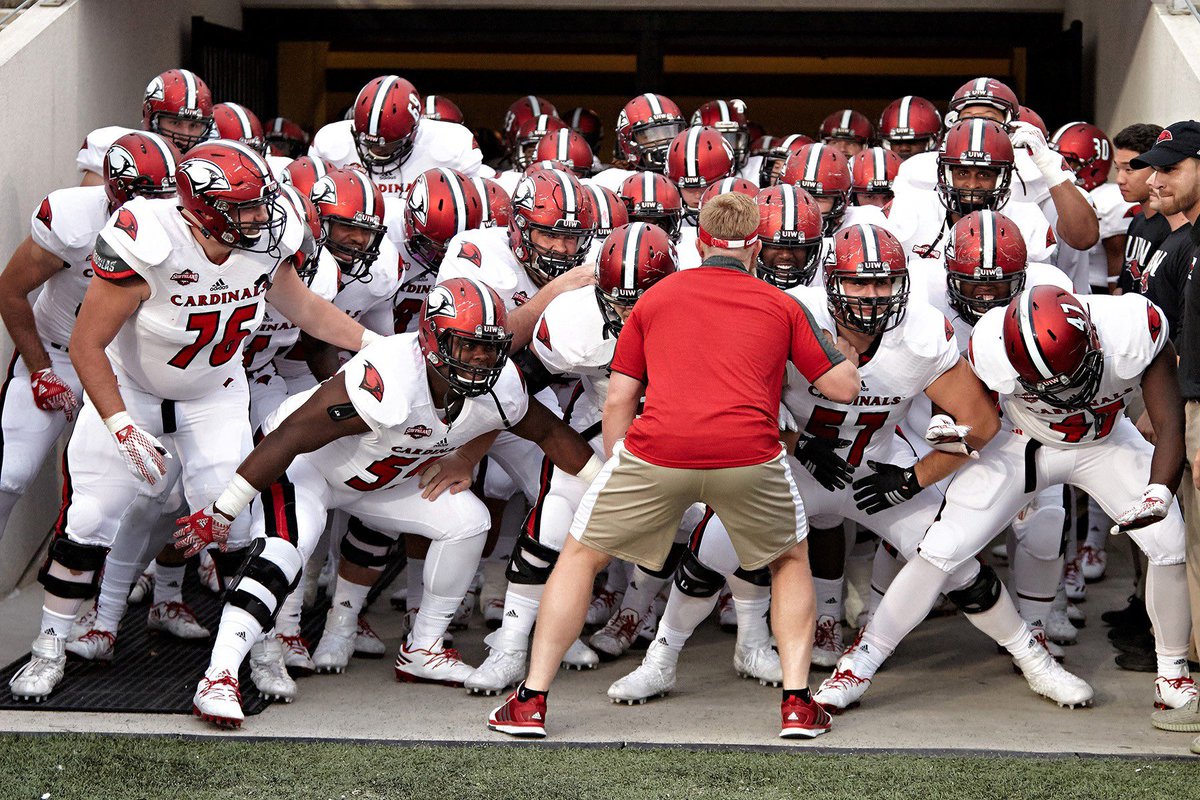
1178,141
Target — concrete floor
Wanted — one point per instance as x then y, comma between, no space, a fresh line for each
946,689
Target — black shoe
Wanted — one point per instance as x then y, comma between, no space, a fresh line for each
1138,643
1133,615
1137,662
1126,631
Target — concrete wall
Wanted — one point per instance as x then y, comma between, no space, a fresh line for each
64,71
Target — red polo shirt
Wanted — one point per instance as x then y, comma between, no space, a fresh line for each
711,345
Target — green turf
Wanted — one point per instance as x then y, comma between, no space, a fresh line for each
90,766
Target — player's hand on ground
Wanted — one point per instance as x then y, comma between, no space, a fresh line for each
51,393
452,473
197,531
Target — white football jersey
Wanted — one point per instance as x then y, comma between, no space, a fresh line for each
389,389
484,255
752,169
508,179
188,336
91,155
919,221
571,339
277,333
612,178
436,144
66,224
1132,332
907,360
685,249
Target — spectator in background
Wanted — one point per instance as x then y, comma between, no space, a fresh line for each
1148,228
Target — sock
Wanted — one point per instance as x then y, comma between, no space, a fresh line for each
1167,607
119,577
618,577
287,621
350,595
416,581
239,631
752,604
884,569
55,624
525,694
521,603
829,597
907,602
430,623
168,583
684,613
641,591
803,694
1098,526
673,639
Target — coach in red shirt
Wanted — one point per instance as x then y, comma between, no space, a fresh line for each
707,348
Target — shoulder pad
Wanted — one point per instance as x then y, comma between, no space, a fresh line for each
448,142
985,352
135,237
926,331
374,384
334,142
1132,330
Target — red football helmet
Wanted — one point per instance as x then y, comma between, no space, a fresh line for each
463,335
646,127
654,198
440,204
497,206
985,263
1087,152
570,148
139,164
762,145
226,191
871,173
607,209
910,119
530,134
777,155
847,124
634,257
697,158
521,111
1051,342
729,117
975,143
306,171
308,256
552,203
1034,119
181,98
985,92
731,184
387,113
347,198
548,163
285,138
236,122
439,107
823,172
865,254
587,124
789,228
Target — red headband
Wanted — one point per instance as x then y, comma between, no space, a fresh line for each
726,244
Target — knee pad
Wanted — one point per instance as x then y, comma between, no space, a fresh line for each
268,578
674,557
230,563
522,570
696,580
755,577
1042,533
86,558
981,594
366,547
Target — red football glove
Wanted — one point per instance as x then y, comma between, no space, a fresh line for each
205,527
51,393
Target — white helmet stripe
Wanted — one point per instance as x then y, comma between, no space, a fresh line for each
431,104
980,85
243,119
380,101
813,162
655,106
163,150
570,201
189,82
633,240
870,241
563,146
250,154
790,223
724,109
534,105
1025,310
976,139
481,187
845,119
603,218
575,115
648,193
277,125
905,105
987,241
319,167
880,163
485,298
691,153
456,194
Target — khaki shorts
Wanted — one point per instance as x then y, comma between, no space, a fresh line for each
633,508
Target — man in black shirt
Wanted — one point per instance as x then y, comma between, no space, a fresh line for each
1148,228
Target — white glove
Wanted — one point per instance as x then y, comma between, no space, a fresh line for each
946,435
145,457
1045,158
1150,508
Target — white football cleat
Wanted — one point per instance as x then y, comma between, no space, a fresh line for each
1093,561
579,656
367,643
602,607
1059,628
47,663
1000,554
1173,692
1047,678
337,642
617,635
143,587
843,689
95,645
218,699
1077,615
207,572
82,624
268,671
760,663
654,677
1073,582
504,665
296,657
827,641
175,619
438,664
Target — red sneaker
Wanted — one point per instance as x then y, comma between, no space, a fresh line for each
803,720
520,719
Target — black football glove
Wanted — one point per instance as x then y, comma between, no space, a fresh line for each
819,456
886,486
